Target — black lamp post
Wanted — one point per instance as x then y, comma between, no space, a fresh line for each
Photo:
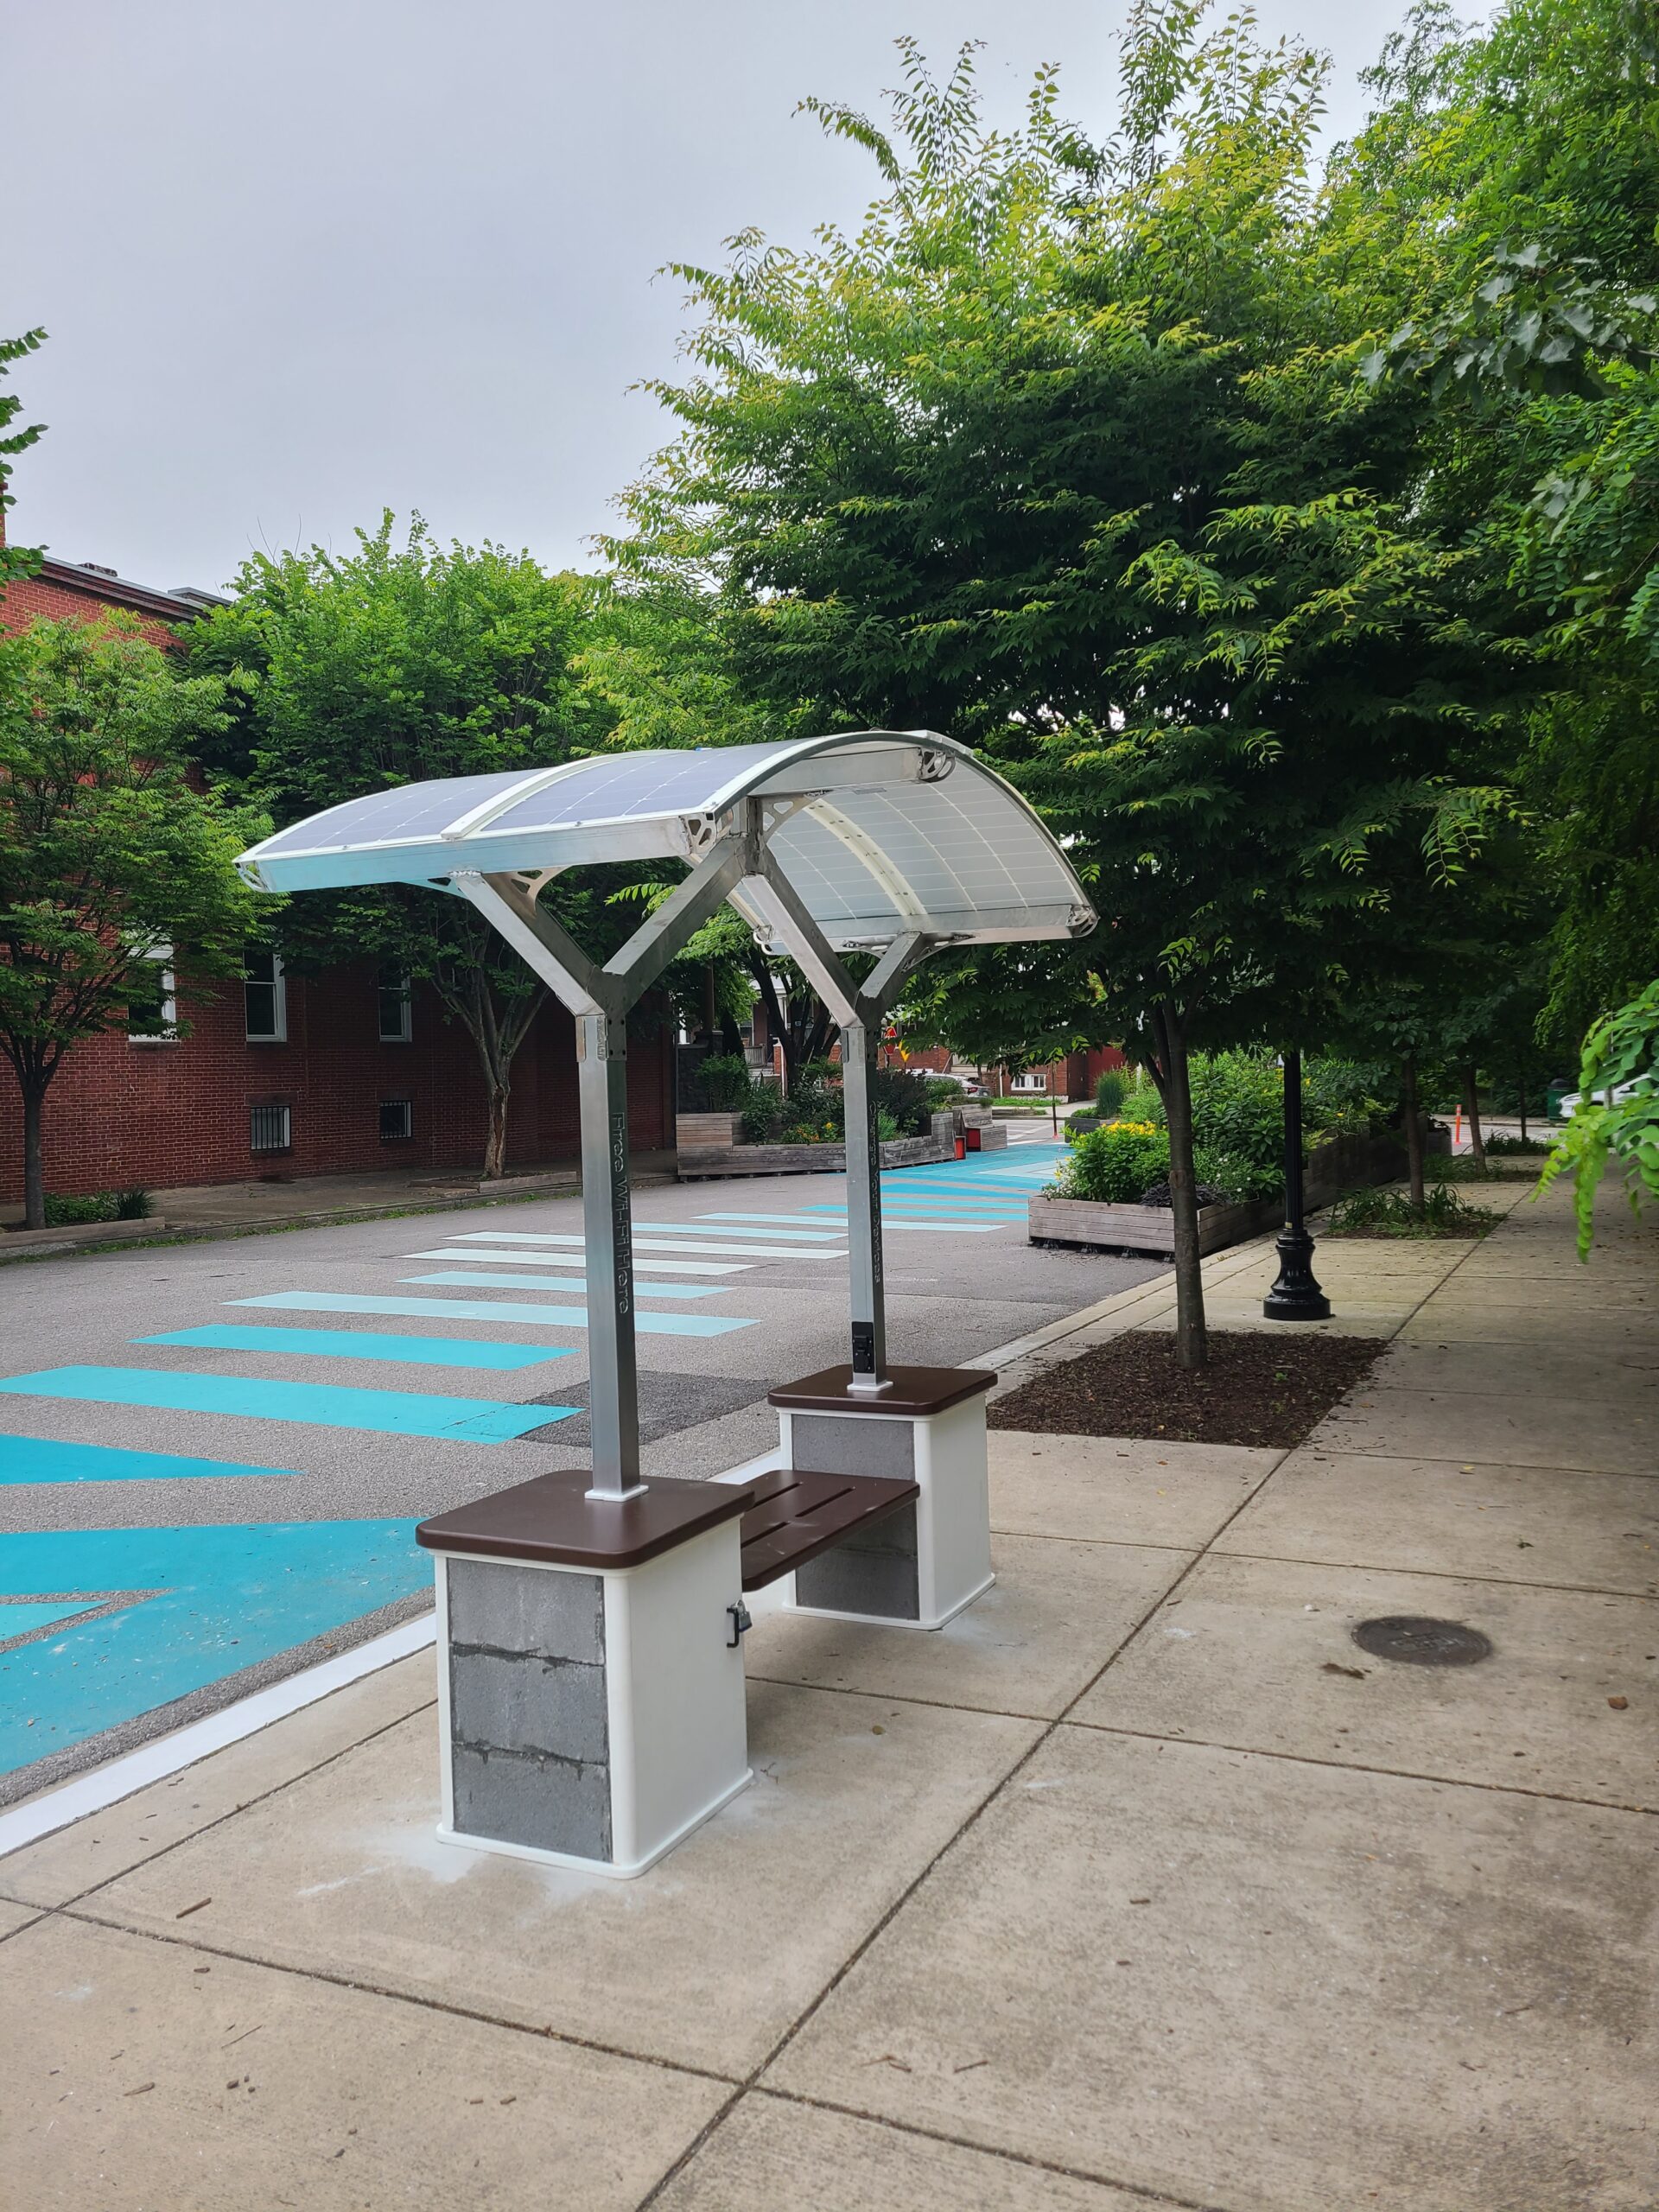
1296,1296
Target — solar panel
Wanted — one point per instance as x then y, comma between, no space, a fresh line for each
889,830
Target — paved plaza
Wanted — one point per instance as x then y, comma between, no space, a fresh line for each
212,1455
1138,1884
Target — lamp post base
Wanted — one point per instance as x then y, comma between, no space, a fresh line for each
1296,1295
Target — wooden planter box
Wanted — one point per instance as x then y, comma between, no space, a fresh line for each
800,1159
697,1132
1345,1164
1136,1228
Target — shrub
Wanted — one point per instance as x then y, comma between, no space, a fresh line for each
1529,1146
134,1204
74,1212
763,1116
1111,1089
1080,1123
1341,1098
722,1084
942,1094
886,1127
1390,1214
1114,1165
905,1099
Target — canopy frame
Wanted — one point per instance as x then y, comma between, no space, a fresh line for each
599,998
722,830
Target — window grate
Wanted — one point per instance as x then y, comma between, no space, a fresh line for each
269,1128
396,1119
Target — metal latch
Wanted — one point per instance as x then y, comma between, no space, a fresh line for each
739,1616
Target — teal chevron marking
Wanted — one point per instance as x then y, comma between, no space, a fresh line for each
484,1309
227,1598
365,1344
393,1412
44,1460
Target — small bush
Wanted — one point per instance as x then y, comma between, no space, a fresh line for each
943,1095
904,1099
886,1127
1080,1123
1111,1089
722,1084
1114,1165
1530,1146
1390,1214
74,1212
67,1212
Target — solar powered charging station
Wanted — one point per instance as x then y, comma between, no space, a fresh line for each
590,1623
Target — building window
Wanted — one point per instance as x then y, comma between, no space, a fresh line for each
396,1013
397,1120
264,999
270,1126
152,1003
1034,1079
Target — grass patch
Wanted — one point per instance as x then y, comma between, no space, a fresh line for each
1390,1214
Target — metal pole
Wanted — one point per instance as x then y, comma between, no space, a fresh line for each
869,1319
1296,1296
612,1390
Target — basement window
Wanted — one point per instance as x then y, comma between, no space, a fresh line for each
264,999
270,1126
397,1120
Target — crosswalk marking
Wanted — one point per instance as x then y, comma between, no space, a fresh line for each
538,1314
49,1460
762,1235
321,1405
564,1259
572,1286
753,1251
365,1343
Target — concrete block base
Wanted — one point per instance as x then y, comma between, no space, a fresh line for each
589,1716
920,1567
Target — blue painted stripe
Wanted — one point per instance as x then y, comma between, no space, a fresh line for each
321,1405
765,1235
227,1597
44,1460
485,1309
363,1344
462,1250
19,1620
572,1286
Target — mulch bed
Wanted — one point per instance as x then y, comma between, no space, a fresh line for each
1258,1389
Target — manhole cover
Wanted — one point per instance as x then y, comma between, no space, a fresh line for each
1419,1641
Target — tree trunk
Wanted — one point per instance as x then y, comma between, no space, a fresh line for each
33,1172
1523,1113
1472,1111
1191,1333
1413,1131
495,1139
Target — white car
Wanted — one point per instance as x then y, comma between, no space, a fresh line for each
1569,1105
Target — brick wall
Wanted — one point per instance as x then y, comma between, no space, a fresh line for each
34,597
120,1113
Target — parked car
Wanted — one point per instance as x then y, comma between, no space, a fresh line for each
1566,1108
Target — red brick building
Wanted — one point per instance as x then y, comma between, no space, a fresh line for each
285,1075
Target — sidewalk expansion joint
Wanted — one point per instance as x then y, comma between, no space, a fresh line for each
392,1994
1362,1766
1444,1574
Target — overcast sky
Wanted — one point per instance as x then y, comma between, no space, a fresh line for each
304,260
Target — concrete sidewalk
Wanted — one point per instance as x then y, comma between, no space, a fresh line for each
1140,1883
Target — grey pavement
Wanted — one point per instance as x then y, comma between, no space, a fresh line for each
951,1296
1142,1884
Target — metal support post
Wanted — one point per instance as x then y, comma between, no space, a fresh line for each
869,1321
612,1389
1296,1296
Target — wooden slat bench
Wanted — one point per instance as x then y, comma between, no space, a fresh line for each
797,1513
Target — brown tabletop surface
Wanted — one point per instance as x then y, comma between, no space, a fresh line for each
549,1519
913,1391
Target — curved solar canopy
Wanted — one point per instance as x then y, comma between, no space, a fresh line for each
880,834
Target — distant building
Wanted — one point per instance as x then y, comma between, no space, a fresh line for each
284,1075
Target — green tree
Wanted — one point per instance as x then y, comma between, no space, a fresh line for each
394,664
14,559
107,853
1064,452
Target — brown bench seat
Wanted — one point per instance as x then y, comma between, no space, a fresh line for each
798,1514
